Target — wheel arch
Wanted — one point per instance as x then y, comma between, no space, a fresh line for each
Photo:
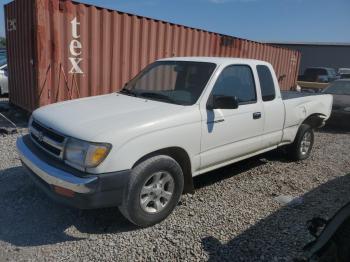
179,155
315,120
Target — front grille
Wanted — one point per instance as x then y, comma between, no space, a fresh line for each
46,146
47,132
47,139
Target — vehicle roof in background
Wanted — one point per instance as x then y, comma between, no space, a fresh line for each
320,67
344,70
343,80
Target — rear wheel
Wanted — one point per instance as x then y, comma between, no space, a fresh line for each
153,192
303,143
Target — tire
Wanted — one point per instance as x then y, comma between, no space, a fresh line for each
303,143
147,199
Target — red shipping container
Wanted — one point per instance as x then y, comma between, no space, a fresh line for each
59,50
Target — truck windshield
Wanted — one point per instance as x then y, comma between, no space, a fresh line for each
177,82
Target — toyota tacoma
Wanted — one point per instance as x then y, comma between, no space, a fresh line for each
140,148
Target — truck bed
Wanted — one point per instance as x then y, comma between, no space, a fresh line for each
292,94
298,106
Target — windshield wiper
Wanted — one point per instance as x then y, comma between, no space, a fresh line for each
128,92
158,96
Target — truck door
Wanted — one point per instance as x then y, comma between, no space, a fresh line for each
228,134
273,107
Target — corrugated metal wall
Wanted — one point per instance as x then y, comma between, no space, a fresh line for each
320,55
83,50
19,21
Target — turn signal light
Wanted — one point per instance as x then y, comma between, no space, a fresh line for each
64,191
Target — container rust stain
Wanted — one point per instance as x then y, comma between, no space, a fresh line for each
60,50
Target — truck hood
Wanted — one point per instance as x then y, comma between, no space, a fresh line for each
93,117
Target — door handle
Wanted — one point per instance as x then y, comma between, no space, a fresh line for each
257,115
216,121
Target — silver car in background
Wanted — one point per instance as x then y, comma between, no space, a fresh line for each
3,77
344,73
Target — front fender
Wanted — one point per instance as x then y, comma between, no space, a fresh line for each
127,154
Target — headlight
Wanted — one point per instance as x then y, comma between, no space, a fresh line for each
347,109
85,154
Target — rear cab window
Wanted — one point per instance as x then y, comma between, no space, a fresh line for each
268,90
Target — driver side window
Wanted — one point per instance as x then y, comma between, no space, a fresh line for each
236,80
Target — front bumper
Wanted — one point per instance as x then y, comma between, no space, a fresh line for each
86,191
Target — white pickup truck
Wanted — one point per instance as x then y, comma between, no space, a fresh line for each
140,148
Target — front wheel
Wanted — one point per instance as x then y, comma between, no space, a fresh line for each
154,190
303,143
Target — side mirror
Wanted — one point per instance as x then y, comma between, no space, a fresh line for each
223,102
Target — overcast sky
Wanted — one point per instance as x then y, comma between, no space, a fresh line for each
264,20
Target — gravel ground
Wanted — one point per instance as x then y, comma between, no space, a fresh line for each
233,215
